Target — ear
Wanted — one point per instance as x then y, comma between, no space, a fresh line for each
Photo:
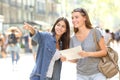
84,18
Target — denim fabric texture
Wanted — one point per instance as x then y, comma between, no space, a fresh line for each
46,49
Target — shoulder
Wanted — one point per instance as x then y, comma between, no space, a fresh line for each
48,34
43,33
73,36
101,31
97,31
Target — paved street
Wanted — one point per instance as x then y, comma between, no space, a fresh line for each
23,69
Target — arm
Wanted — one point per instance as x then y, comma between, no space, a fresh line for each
100,53
103,50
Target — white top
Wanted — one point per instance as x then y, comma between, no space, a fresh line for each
50,68
107,37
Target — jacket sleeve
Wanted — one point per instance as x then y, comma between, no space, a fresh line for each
37,37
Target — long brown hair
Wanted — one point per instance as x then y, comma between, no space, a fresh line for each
65,38
84,13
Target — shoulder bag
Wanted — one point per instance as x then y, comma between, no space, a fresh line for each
108,64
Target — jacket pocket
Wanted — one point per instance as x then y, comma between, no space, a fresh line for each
51,49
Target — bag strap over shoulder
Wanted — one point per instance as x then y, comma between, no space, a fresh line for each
98,48
95,39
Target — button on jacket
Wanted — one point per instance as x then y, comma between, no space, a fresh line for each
46,50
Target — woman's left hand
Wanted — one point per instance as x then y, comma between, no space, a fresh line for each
83,54
62,58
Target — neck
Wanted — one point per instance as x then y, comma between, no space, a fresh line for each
57,42
82,29
57,38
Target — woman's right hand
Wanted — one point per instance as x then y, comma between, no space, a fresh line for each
29,28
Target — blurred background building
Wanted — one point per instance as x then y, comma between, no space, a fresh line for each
36,12
43,13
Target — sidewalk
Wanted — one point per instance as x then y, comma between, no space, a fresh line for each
26,64
19,71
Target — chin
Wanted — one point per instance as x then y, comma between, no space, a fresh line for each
75,26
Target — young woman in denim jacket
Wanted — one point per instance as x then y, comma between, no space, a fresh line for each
48,63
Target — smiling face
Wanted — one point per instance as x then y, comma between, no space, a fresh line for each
78,19
60,28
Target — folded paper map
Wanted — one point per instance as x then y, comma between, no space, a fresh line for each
71,53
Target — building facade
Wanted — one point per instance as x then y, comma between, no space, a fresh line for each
16,12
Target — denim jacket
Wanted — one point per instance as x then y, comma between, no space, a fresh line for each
46,50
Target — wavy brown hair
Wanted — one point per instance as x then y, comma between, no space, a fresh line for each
65,38
84,13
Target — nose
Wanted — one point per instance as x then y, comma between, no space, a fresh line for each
60,27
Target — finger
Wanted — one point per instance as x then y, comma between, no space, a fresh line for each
28,25
25,23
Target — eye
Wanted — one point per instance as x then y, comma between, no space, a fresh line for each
76,17
58,24
63,26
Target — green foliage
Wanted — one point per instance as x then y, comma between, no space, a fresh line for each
104,11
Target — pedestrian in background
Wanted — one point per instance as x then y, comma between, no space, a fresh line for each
117,36
87,67
48,63
2,46
13,47
107,36
26,42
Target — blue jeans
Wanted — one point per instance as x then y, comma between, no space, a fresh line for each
15,57
98,76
